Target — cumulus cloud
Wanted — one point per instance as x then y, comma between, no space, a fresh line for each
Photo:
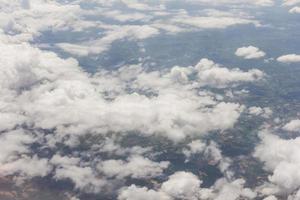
290,58
295,10
233,190
84,178
132,32
27,167
60,122
78,95
185,185
281,159
293,125
272,197
290,2
212,74
250,52
14,143
258,111
211,153
182,185
135,167
138,193
194,147
58,102
27,19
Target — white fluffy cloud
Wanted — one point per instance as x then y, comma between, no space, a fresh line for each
65,85
282,159
290,2
27,19
84,178
295,10
182,185
258,111
250,52
27,167
272,197
135,167
212,74
43,92
290,58
211,152
194,147
185,185
47,102
233,190
141,193
293,125
14,143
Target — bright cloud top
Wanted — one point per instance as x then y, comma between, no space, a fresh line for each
281,158
250,52
289,58
42,93
106,132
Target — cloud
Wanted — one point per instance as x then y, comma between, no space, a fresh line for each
137,5
27,167
294,196
59,103
290,58
211,22
258,111
131,32
212,74
50,103
125,17
84,178
14,143
194,147
182,185
270,198
250,52
236,2
281,158
61,123
30,19
185,185
135,167
293,125
295,10
233,190
137,193
45,87
290,2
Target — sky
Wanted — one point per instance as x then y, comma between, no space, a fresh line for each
149,99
